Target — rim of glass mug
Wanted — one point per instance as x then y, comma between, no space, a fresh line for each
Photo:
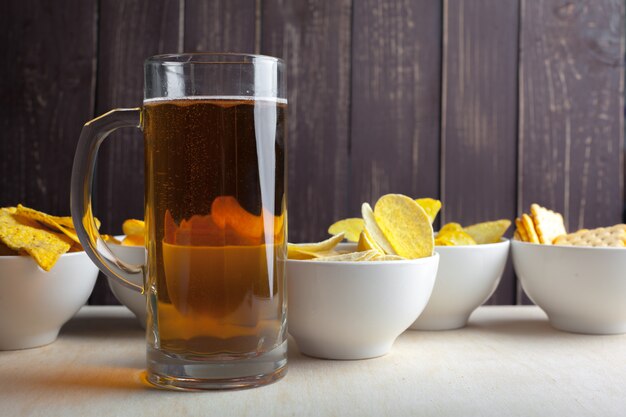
261,76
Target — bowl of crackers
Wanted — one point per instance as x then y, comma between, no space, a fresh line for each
45,276
352,300
472,260
577,278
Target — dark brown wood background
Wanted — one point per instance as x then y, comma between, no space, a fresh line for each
487,104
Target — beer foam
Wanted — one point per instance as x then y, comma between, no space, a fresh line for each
233,98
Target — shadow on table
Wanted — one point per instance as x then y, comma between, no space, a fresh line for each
109,327
84,378
526,328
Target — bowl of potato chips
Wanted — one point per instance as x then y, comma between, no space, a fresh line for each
577,278
472,260
352,300
45,276
130,248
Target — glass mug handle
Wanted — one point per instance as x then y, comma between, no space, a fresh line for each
91,137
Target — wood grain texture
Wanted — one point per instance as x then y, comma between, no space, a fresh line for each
220,26
396,69
479,117
571,110
47,91
129,32
313,37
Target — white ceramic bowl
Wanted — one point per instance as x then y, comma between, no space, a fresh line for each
355,310
34,304
581,289
466,278
134,300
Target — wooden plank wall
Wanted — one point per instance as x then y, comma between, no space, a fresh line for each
487,104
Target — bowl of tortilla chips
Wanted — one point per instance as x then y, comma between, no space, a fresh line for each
45,276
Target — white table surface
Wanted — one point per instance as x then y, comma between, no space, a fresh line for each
507,362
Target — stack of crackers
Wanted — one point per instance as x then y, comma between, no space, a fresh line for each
547,227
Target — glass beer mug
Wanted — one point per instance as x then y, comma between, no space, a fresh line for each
216,220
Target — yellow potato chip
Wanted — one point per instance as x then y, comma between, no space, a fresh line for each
366,242
374,230
450,227
351,228
297,250
134,227
349,257
405,225
133,240
454,238
23,234
388,258
430,206
46,220
488,232
303,255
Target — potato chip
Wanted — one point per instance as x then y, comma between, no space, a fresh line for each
134,227
405,225
350,257
297,250
351,228
374,230
22,234
366,242
430,206
133,240
388,258
454,238
450,227
46,220
303,255
488,232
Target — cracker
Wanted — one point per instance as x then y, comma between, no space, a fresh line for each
529,227
523,235
614,236
548,224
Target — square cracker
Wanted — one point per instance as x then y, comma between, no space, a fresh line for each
529,227
521,231
614,236
548,224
